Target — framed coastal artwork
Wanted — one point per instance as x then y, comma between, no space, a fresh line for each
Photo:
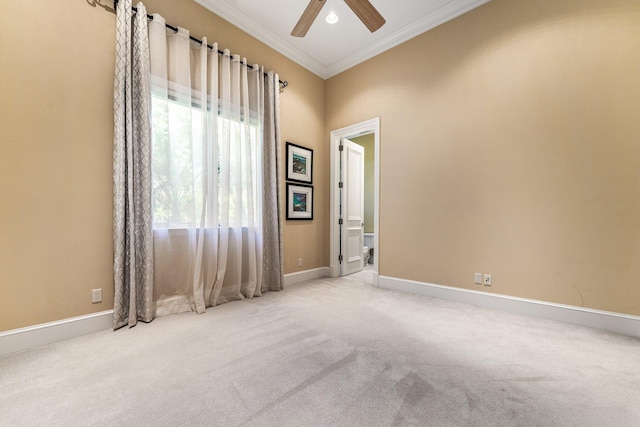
299,201
299,163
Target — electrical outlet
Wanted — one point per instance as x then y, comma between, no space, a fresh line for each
96,295
477,278
487,280
299,262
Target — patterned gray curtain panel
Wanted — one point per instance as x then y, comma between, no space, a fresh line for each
272,268
132,218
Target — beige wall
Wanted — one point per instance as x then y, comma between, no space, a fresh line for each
56,150
368,143
510,145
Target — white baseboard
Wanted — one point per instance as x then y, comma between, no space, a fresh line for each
609,321
38,335
303,276
48,333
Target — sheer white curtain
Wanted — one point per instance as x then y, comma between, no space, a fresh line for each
208,135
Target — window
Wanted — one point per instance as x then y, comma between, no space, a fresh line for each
189,168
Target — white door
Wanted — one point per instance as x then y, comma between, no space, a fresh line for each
352,207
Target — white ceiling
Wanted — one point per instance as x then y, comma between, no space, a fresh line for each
327,49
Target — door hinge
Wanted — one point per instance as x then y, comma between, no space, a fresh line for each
340,147
341,185
340,258
340,221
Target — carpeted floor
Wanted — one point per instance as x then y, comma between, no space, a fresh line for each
330,352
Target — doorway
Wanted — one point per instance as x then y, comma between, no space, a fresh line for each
353,131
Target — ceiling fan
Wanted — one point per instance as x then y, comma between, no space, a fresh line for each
368,14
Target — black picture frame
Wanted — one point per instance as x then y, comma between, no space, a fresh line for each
299,163
299,202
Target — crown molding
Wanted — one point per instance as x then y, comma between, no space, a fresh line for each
233,15
428,22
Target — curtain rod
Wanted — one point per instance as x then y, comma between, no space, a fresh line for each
283,84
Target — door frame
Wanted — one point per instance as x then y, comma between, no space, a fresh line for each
352,131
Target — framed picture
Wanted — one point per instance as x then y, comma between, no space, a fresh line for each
299,163
299,201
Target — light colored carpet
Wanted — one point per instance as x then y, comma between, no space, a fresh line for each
330,352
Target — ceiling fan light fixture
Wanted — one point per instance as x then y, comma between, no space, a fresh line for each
332,18
365,11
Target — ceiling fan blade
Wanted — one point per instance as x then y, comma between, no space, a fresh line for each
367,14
308,16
